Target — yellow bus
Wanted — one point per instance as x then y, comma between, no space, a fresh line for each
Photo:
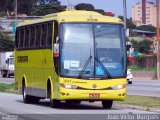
71,56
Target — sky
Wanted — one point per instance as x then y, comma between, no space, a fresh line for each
115,6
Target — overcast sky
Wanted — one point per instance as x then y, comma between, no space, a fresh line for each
115,6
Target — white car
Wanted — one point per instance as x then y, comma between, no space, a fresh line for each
129,76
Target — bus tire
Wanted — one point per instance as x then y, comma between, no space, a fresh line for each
54,103
26,98
77,102
107,104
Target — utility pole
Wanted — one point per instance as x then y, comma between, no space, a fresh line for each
125,14
15,11
68,5
158,41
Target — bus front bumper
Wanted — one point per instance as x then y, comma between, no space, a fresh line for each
97,95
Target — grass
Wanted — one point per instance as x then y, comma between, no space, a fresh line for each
8,88
141,101
138,68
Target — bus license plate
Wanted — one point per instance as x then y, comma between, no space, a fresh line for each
94,95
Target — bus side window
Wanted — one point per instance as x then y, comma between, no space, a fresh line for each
17,38
44,35
32,36
38,36
21,41
56,40
49,38
26,41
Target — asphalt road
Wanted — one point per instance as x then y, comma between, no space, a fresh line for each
144,88
138,87
13,104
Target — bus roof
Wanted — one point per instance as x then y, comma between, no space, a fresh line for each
74,16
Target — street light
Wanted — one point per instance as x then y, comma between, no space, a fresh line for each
158,40
16,11
125,14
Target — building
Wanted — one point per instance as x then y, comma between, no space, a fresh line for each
144,13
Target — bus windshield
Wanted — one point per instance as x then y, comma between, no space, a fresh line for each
92,50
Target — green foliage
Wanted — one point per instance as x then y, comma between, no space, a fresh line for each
142,46
84,6
147,28
4,87
100,11
45,9
6,45
2,13
130,24
141,101
138,68
23,6
88,7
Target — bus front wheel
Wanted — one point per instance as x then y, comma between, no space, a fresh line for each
54,103
107,104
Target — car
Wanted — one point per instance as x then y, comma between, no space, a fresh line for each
129,76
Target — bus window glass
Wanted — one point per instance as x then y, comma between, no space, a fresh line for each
32,37
38,35
21,41
49,39
76,50
44,35
26,37
93,50
108,45
17,38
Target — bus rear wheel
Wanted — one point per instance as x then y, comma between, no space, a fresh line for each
107,104
28,98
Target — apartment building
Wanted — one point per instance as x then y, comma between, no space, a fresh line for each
144,13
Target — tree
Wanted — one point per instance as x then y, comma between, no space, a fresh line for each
6,44
147,28
142,46
23,6
45,9
129,22
100,11
40,2
84,6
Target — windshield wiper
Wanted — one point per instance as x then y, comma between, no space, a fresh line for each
104,68
83,69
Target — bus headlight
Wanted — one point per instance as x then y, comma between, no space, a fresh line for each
68,86
116,87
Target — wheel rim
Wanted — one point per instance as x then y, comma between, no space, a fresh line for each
24,92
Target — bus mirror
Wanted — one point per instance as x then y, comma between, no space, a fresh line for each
57,39
56,50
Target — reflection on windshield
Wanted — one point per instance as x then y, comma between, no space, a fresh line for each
104,42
